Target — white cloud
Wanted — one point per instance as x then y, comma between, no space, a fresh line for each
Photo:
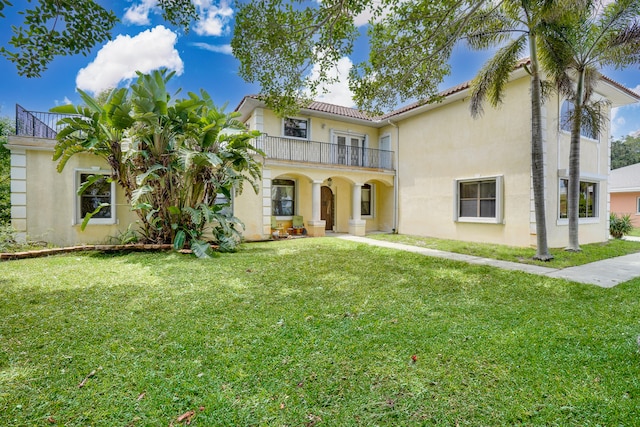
138,14
336,93
214,19
119,59
65,101
219,48
215,16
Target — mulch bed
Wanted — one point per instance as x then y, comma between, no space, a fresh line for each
5,256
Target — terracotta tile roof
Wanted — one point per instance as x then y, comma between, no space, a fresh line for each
338,110
324,107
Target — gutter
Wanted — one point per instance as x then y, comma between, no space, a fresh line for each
396,178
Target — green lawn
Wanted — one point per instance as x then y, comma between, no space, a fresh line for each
311,332
635,232
562,259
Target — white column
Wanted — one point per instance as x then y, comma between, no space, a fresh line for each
315,200
357,226
315,227
356,200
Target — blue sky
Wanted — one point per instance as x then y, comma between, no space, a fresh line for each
202,59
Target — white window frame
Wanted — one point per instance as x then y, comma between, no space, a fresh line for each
638,206
295,198
498,219
306,119
372,206
562,124
77,216
581,220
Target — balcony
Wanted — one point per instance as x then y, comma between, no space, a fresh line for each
296,150
37,124
45,125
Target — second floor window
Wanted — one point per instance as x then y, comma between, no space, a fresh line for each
565,121
296,128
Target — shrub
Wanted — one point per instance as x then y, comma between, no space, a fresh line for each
620,226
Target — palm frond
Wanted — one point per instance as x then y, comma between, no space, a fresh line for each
494,75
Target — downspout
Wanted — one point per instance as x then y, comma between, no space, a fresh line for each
396,178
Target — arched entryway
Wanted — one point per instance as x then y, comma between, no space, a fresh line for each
327,207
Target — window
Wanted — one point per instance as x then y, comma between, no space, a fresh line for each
283,197
638,205
366,201
99,192
588,203
478,200
225,203
565,121
296,128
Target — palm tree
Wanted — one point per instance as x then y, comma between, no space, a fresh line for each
498,25
577,45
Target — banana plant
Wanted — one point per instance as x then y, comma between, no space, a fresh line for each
172,158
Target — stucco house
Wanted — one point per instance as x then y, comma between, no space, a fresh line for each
424,169
624,188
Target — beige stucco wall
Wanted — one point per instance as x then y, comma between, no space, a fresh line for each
626,204
434,153
321,127
50,198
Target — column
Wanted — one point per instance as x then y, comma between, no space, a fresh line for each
19,193
357,226
316,226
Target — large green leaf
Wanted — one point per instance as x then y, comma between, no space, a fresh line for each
201,249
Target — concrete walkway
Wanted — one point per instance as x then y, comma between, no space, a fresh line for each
606,273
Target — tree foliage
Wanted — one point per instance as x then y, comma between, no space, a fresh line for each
625,152
279,42
53,28
172,159
6,129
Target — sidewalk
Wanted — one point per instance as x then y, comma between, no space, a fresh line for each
606,273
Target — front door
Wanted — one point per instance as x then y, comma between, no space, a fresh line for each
326,207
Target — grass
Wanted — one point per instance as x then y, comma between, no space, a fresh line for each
311,332
635,232
562,259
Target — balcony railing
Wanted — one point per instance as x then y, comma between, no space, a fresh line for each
37,124
323,153
45,125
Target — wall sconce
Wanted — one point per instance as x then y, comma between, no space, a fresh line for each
323,125
329,182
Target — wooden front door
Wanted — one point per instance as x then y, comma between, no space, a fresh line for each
326,207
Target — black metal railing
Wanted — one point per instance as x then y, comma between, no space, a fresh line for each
324,153
37,124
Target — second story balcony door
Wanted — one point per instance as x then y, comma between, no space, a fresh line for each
349,149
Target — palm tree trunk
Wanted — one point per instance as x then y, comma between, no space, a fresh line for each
537,156
573,196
